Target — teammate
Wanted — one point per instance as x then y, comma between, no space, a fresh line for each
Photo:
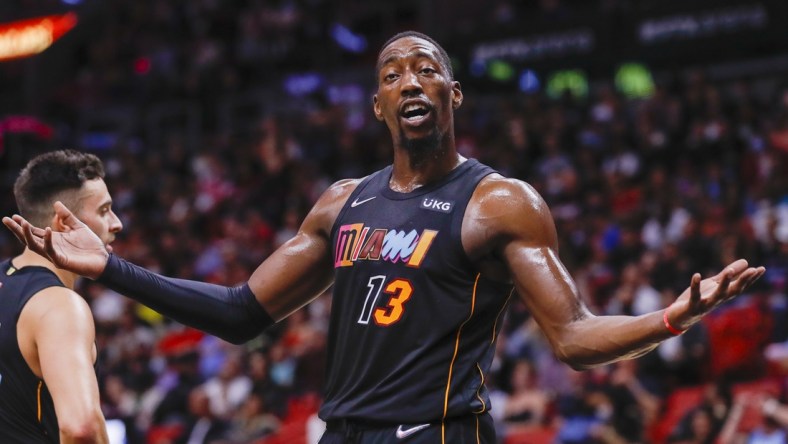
424,257
48,387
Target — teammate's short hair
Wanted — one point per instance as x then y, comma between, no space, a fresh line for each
53,176
443,56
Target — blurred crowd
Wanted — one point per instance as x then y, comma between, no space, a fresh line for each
644,193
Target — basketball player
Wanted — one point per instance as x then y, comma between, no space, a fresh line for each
48,388
424,257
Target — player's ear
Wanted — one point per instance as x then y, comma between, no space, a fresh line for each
56,223
456,94
376,108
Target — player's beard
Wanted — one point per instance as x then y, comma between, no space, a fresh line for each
422,148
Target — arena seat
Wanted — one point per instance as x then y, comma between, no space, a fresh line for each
531,435
737,337
676,405
293,429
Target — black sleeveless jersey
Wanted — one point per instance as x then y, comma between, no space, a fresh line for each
413,325
27,413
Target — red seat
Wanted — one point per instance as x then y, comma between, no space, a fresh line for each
531,435
677,405
737,337
293,430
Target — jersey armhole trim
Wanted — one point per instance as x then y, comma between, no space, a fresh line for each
353,194
38,398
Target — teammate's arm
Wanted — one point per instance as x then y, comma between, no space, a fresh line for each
291,277
57,336
512,219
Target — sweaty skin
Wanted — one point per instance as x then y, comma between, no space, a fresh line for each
507,230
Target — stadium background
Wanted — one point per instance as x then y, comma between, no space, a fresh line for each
656,131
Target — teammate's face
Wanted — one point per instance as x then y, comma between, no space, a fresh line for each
95,210
416,97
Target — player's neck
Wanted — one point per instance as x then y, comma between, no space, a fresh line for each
410,173
28,258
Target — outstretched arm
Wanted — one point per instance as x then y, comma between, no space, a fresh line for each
291,277
517,224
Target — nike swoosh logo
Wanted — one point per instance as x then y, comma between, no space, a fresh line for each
404,433
357,202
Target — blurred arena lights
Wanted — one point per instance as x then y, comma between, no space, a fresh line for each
529,81
478,68
303,84
29,37
500,71
142,65
347,39
574,81
634,80
24,124
349,93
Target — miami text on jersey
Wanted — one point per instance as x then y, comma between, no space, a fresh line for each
355,242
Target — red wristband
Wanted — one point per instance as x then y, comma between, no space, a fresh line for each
673,330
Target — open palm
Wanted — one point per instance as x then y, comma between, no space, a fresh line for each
704,294
77,248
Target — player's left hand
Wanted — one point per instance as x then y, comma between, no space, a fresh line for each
703,295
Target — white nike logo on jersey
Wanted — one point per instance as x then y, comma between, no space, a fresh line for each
404,433
357,202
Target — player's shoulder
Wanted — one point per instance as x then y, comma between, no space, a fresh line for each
57,301
322,216
344,187
503,210
497,191
338,192
510,206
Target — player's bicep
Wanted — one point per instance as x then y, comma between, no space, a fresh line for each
293,275
528,243
301,269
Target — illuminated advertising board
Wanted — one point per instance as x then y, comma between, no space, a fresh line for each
29,37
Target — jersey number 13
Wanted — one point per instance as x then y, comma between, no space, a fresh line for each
399,291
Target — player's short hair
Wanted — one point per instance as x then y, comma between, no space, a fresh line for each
53,176
443,56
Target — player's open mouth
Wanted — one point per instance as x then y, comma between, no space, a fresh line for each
415,113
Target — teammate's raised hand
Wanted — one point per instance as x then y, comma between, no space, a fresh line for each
76,248
704,294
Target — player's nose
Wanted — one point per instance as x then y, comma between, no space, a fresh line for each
410,83
115,224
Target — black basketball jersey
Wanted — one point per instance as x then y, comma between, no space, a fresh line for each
27,413
413,325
